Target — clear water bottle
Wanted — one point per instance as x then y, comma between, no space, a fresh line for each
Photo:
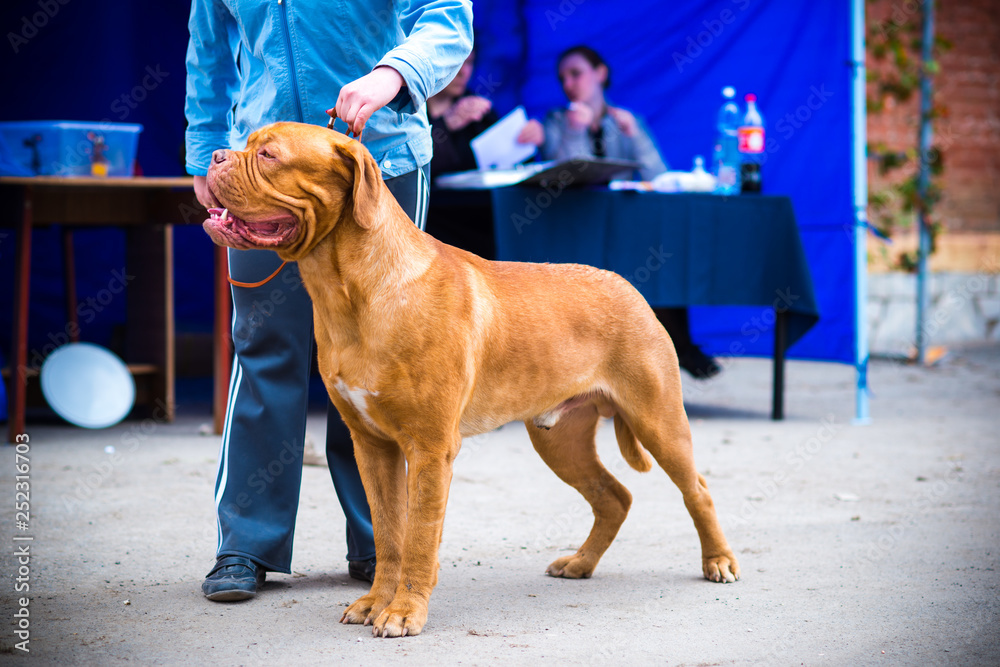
726,155
700,180
751,144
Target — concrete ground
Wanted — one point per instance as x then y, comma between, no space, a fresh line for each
860,545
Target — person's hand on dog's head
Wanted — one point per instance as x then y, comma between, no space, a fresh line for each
203,193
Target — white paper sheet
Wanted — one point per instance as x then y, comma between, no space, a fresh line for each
487,179
497,147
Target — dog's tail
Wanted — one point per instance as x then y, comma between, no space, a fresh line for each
632,451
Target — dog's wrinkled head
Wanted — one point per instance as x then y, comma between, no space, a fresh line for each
290,187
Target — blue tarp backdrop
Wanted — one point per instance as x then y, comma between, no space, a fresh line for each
669,62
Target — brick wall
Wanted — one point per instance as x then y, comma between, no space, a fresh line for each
969,85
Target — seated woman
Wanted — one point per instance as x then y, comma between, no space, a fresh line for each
590,127
465,219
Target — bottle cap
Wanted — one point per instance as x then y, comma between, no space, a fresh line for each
729,92
750,97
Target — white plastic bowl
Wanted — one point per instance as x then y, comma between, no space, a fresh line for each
87,385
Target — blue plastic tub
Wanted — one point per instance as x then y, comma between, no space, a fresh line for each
69,148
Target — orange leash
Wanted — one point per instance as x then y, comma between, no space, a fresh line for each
258,283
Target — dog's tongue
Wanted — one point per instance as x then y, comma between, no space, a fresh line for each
266,227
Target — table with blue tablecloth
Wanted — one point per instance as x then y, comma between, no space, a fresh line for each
677,249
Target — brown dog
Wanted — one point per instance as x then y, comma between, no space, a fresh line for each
421,344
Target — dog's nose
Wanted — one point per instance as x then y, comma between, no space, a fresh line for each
220,155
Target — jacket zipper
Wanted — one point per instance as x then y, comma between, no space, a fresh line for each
291,61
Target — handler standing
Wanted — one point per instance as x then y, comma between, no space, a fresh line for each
251,63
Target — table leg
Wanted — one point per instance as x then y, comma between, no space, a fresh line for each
149,328
69,276
780,343
17,402
223,344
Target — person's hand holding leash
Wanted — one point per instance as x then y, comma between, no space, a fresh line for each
362,97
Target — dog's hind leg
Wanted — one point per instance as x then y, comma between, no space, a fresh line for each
659,421
570,450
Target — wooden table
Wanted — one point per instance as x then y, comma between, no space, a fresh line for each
146,208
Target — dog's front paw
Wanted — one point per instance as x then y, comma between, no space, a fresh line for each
576,566
365,609
721,569
402,618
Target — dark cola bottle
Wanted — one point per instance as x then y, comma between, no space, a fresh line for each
751,143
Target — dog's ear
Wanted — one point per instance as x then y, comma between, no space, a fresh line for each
367,182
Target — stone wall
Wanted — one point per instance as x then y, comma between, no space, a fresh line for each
964,307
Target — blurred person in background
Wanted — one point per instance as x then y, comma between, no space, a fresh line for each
465,219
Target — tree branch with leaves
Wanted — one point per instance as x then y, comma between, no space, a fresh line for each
894,71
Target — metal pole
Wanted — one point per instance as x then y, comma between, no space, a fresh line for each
924,248
780,344
860,229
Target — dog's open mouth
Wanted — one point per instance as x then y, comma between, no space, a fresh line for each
271,232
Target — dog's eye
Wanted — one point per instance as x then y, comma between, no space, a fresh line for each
264,154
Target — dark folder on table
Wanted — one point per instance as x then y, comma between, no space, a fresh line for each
563,173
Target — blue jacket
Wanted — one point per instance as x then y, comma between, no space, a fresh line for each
255,62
